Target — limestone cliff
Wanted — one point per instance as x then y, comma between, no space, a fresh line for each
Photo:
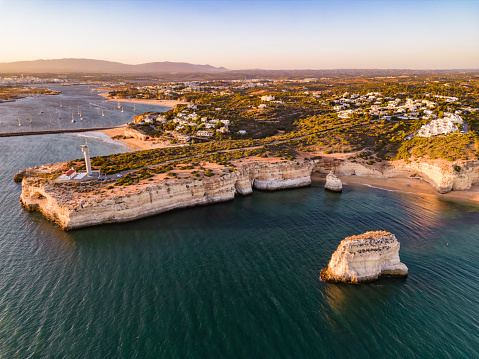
71,209
333,183
365,258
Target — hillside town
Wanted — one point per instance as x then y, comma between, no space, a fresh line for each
256,108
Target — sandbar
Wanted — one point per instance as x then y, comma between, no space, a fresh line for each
165,103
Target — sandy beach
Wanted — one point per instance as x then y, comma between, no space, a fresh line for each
167,103
133,144
406,185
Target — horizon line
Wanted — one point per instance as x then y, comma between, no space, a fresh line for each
239,70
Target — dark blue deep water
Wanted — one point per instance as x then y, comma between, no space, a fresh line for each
232,280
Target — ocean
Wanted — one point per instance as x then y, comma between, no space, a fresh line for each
232,280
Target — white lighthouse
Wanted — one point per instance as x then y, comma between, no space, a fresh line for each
86,152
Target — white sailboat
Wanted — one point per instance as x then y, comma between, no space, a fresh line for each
134,108
19,124
73,120
61,104
102,114
121,108
118,104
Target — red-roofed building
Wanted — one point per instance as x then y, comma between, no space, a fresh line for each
68,175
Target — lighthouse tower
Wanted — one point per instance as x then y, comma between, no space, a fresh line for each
86,152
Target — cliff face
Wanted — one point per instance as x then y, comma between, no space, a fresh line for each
458,176
364,258
444,177
73,210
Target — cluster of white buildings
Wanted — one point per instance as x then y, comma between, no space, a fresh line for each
214,87
14,80
447,124
192,119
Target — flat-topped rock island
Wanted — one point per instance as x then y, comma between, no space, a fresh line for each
365,258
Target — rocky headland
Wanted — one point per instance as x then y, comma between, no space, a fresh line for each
364,258
84,204
79,206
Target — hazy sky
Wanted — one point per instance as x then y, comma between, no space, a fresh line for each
246,34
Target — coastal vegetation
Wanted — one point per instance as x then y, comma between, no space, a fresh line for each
372,118
450,147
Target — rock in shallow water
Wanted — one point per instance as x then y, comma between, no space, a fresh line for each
364,258
333,183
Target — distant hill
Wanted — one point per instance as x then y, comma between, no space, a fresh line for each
100,66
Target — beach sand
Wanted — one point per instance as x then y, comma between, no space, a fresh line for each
406,185
133,144
167,103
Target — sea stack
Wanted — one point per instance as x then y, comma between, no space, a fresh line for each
333,183
364,258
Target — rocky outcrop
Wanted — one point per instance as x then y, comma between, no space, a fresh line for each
364,258
130,132
71,209
18,177
333,183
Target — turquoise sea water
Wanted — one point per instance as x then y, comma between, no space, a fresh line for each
232,280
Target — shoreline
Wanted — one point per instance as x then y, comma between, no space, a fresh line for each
133,144
406,185
163,103
72,208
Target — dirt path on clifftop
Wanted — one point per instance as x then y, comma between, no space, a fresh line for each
214,152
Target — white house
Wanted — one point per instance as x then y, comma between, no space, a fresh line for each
204,133
224,129
267,98
68,175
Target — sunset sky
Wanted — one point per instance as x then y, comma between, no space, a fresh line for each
247,34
